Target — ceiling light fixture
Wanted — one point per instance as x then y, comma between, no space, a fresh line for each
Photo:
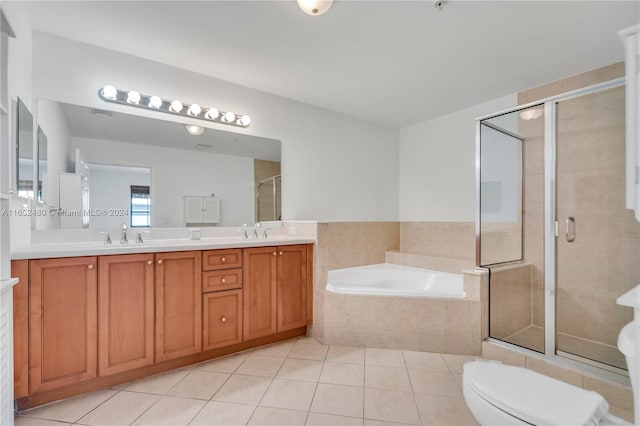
531,114
315,7
175,107
194,130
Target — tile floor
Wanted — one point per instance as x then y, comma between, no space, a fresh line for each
296,382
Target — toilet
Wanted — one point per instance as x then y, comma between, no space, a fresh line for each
499,394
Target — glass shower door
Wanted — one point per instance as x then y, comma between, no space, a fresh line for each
597,248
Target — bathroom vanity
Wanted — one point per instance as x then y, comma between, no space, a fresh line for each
118,313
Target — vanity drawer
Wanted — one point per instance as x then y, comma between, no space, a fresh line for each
221,259
225,279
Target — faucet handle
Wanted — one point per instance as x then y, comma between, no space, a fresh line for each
243,229
107,238
264,232
123,226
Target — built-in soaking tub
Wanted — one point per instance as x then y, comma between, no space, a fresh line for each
400,307
386,279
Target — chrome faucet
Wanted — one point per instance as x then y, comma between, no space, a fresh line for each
245,236
107,238
139,240
123,238
255,230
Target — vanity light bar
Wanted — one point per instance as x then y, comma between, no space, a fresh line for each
174,107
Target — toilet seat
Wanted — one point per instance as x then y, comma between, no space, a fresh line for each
532,397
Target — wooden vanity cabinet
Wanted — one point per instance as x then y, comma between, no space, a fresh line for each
260,274
125,312
178,287
20,270
292,287
62,322
275,289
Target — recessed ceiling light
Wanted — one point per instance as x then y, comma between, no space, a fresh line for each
194,130
315,7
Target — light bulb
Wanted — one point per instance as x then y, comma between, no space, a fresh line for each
229,117
194,130
245,120
531,114
155,102
212,114
315,7
194,110
109,92
176,106
133,97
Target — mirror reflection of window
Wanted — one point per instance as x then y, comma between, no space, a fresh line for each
140,211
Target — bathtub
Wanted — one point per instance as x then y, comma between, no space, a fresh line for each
386,279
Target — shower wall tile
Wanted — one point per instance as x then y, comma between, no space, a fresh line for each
617,395
510,299
453,240
572,83
573,377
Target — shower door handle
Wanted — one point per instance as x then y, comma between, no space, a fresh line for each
571,229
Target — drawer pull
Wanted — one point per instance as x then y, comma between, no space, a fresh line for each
149,262
281,253
223,319
159,261
90,266
223,280
223,259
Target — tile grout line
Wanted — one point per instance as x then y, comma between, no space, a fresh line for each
413,393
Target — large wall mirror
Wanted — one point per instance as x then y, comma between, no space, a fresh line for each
122,168
24,152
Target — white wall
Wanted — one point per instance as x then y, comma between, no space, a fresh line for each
437,165
111,190
176,173
334,168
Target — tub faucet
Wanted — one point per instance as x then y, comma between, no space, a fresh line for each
123,238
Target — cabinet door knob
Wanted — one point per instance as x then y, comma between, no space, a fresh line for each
275,254
223,259
159,261
90,266
149,262
281,253
223,319
224,280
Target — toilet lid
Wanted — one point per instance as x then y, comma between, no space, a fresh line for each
533,397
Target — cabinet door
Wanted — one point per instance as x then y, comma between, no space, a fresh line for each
193,209
259,283
62,322
210,210
20,269
292,287
178,304
222,319
125,312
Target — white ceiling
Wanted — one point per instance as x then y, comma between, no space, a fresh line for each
119,127
391,62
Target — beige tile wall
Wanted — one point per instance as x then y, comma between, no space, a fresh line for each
453,240
510,299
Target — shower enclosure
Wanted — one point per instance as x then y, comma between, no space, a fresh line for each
552,226
268,199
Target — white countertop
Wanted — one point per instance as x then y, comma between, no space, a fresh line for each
73,249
